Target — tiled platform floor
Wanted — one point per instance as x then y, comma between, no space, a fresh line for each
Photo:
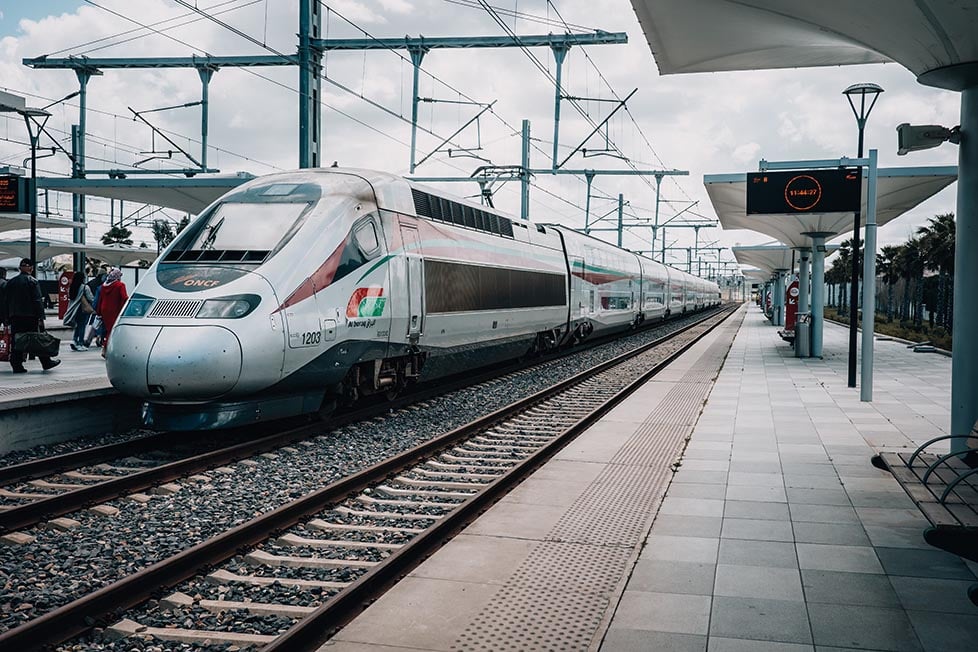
778,534
543,568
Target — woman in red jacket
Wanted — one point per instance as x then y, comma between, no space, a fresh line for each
112,297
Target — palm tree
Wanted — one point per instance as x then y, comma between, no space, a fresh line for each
843,266
886,267
937,250
117,235
911,263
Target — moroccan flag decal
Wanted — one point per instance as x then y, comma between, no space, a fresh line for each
366,302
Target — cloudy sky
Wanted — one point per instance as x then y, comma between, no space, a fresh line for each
703,123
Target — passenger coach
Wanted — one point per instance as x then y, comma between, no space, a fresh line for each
299,290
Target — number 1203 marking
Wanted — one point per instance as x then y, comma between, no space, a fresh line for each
310,338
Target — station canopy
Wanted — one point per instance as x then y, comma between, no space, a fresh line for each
755,275
898,190
190,195
769,258
20,221
117,255
936,40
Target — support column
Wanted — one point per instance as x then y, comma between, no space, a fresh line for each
588,177
803,349
560,51
818,293
310,85
964,360
78,169
205,80
621,213
804,256
655,228
417,56
869,285
525,174
779,298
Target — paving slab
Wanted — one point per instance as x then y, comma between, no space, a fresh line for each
818,549
775,534
545,567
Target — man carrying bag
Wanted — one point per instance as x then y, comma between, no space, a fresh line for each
24,311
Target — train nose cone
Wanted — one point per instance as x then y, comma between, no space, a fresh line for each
173,362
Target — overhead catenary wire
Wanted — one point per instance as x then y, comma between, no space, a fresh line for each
258,42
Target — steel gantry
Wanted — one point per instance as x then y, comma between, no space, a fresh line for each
309,60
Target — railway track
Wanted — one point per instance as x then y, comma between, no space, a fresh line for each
349,540
45,489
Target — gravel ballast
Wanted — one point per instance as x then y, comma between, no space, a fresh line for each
62,566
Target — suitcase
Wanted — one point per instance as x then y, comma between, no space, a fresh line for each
5,344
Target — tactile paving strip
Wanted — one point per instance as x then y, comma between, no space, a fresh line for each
590,548
561,615
54,387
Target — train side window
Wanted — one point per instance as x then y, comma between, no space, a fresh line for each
367,239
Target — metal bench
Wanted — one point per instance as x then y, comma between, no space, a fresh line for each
945,489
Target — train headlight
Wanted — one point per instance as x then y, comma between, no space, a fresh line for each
234,307
138,306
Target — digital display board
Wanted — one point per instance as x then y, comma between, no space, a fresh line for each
836,190
10,194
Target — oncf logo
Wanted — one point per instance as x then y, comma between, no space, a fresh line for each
195,281
201,283
366,302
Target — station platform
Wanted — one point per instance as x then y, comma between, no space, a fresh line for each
79,371
74,399
770,530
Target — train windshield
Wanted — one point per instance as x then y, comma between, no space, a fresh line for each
247,227
239,231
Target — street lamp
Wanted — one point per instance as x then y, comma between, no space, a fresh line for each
872,92
15,104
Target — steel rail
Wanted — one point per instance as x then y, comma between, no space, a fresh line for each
93,455
29,514
317,627
94,609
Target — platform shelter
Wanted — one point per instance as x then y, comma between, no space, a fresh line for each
777,262
774,262
116,255
22,222
898,190
936,40
191,195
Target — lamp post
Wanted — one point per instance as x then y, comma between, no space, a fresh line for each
30,117
862,92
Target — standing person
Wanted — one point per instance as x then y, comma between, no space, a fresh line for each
24,309
79,310
111,298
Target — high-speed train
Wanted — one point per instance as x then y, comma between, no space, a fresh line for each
299,290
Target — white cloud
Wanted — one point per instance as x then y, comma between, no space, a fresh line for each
703,123
397,6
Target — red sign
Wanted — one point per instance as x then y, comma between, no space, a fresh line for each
64,284
791,306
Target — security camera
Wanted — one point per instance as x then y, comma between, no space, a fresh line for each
912,138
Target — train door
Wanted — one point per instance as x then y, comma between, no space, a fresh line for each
577,284
415,282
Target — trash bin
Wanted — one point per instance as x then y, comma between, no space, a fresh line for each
803,335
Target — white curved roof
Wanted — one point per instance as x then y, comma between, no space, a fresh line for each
898,191
21,221
117,255
768,258
714,35
191,195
